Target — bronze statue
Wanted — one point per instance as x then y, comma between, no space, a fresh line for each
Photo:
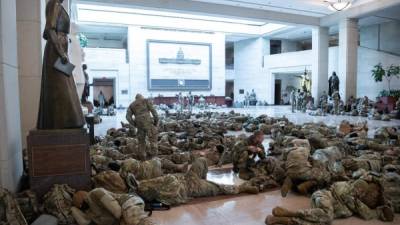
333,83
59,102
86,88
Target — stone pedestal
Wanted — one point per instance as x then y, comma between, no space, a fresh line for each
58,157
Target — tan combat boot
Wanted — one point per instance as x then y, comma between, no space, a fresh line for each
306,186
248,189
271,220
282,212
287,185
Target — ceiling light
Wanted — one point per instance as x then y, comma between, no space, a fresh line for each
339,5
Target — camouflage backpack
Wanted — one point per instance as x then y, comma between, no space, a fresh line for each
10,213
29,205
58,202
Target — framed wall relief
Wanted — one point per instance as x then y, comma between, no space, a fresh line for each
179,65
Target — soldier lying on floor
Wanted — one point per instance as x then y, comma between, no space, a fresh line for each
103,207
301,172
369,197
175,189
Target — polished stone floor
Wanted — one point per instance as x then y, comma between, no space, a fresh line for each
243,210
247,209
273,111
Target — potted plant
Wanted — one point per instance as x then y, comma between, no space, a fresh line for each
386,97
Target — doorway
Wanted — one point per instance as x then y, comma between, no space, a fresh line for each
229,89
105,87
278,89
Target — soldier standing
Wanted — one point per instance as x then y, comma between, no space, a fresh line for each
293,100
336,101
190,101
180,102
246,99
363,107
202,102
102,99
304,101
142,109
324,103
398,108
299,99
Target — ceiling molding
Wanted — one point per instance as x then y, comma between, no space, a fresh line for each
357,12
205,8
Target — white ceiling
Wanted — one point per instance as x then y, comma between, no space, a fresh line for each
315,8
301,33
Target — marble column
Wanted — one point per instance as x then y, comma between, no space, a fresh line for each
30,24
10,127
348,45
320,52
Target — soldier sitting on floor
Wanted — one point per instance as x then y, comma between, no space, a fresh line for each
244,155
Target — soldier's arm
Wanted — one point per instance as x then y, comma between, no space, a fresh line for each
153,112
222,157
242,162
261,154
364,211
129,115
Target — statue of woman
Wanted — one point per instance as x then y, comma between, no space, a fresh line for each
333,83
59,102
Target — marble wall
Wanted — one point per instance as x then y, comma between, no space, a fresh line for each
110,63
249,71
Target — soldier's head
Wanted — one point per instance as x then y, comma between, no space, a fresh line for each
84,66
257,137
139,96
79,199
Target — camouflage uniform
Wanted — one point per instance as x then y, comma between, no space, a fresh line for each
324,103
293,100
336,101
174,189
142,170
244,160
342,200
10,213
58,202
367,162
299,171
142,108
107,208
364,197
